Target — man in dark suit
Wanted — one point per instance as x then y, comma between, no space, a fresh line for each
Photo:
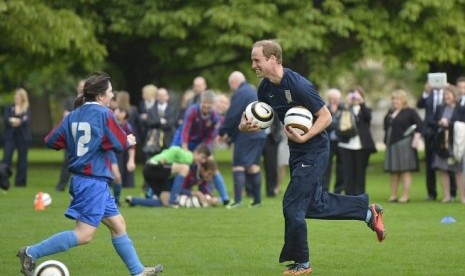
431,98
162,118
460,83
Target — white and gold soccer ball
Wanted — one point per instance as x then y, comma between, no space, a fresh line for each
260,112
51,268
299,118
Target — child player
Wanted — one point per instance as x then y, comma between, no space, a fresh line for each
88,133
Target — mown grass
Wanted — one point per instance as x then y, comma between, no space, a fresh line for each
217,241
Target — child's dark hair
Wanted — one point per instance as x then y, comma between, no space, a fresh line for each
209,165
96,84
126,112
203,149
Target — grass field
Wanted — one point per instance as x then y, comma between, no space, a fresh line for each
217,241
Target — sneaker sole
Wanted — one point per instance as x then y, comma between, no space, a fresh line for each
302,272
21,255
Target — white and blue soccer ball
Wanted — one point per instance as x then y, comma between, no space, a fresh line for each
51,268
261,112
299,118
186,201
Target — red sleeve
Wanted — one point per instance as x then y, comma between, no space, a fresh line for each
55,139
187,125
115,137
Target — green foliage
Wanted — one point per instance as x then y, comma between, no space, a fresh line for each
45,41
170,42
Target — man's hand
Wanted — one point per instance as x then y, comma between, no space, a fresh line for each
296,137
225,139
248,125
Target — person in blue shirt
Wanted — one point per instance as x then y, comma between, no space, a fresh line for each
88,133
283,89
248,147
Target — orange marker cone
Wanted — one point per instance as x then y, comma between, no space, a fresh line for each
39,204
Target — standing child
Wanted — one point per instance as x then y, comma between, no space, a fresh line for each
123,164
88,134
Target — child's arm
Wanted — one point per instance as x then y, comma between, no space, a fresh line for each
131,165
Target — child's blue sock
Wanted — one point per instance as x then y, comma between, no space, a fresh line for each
220,186
127,252
176,188
57,243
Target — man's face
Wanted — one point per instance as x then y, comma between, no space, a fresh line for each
199,85
461,87
206,106
162,96
221,104
260,64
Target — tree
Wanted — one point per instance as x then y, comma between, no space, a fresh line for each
180,39
40,45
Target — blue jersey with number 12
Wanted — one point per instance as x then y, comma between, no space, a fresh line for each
88,133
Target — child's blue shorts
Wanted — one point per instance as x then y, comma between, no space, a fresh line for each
91,200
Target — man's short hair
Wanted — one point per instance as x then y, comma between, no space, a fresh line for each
460,79
270,48
207,95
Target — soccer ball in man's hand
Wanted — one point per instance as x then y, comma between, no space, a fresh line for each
260,112
299,119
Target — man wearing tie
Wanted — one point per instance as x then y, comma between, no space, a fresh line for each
460,83
431,98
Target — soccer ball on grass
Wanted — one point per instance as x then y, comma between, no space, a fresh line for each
51,268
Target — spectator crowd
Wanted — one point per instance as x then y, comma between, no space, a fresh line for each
170,134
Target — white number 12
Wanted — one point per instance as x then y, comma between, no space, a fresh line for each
83,139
